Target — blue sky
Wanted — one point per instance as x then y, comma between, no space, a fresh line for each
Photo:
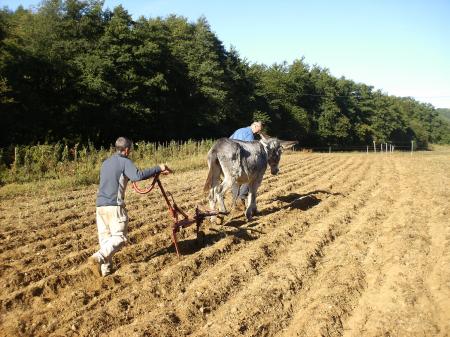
401,47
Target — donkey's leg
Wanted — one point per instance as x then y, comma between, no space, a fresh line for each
212,197
226,184
251,199
235,193
219,194
212,203
250,204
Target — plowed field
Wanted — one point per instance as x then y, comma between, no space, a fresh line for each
343,245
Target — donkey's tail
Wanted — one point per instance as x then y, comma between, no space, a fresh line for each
212,157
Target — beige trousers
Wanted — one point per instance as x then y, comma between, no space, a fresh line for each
112,226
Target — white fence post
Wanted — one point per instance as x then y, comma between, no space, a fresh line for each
16,155
374,147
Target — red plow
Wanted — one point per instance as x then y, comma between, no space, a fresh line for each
181,219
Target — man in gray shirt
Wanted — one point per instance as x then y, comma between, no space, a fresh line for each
111,214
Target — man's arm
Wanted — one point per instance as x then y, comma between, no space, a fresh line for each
134,174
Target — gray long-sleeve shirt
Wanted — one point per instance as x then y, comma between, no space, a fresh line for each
114,176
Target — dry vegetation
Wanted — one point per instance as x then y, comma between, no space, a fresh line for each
344,245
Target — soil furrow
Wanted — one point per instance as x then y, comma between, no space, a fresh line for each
205,295
68,259
342,245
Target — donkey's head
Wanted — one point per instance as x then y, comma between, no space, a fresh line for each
274,147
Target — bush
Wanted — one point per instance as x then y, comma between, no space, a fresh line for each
57,161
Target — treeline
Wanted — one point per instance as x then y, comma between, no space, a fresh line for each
73,72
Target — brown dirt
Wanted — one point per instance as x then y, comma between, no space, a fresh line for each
343,245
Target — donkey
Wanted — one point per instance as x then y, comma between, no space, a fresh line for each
241,163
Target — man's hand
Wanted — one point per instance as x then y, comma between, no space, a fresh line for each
165,169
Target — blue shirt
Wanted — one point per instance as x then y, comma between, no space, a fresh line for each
245,134
114,176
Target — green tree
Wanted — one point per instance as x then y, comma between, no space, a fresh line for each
73,72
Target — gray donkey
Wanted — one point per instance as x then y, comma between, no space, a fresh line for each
241,163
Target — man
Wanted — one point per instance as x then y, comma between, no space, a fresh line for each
111,214
246,134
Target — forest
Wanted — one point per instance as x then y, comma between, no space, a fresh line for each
75,73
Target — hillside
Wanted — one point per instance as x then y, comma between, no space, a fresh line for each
444,113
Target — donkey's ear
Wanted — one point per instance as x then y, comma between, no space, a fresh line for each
288,144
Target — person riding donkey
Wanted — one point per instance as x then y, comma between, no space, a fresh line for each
111,214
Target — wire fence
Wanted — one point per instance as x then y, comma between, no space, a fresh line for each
54,161
387,147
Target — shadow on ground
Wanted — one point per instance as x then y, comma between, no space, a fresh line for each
239,227
297,201
216,233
